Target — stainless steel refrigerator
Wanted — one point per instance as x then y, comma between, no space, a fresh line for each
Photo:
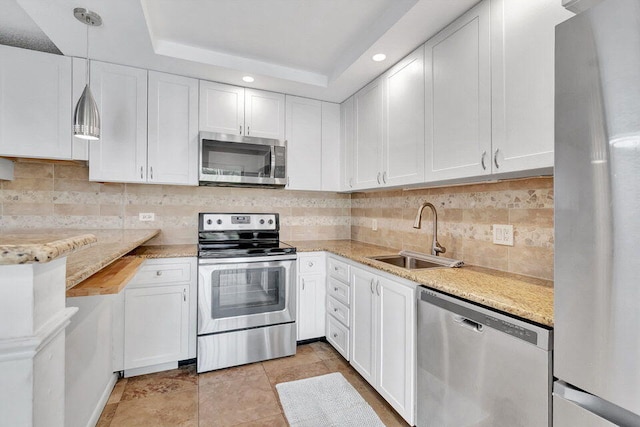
597,218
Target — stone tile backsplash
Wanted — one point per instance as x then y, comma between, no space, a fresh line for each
60,195
466,214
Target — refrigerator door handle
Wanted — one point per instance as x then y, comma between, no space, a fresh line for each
604,409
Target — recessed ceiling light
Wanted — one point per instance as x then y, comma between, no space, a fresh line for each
379,57
248,79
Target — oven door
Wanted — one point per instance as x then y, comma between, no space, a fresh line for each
241,293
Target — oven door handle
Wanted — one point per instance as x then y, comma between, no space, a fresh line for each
246,260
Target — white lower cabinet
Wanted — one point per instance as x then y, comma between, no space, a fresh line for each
160,315
311,296
338,316
383,317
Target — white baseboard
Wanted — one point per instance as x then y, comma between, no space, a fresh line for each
104,398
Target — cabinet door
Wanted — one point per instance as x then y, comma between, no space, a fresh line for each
396,337
368,136
173,130
347,128
156,325
458,98
311,306
221,108
403,134
522,71
304,143
121,153
331,153
35,104
363,343
264,114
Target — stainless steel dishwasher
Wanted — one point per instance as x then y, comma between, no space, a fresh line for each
480,368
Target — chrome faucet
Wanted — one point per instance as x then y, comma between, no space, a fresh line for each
436,248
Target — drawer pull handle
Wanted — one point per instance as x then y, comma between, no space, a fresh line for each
184,295
303,283
159,273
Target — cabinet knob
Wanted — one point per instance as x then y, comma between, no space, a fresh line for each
335,268
159,273
335,289
335,310
310,264
335,335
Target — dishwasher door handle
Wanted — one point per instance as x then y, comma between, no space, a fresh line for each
468,323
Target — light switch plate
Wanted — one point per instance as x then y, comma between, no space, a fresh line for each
374,224
503,234
149,216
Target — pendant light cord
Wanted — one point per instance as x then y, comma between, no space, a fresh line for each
88,64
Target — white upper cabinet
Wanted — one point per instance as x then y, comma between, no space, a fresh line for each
165,111
239,111
367,145
264,114
522,67
403,121
121,153
35,104
304,143
458,98
221,108
313,144
172,156
331,153
347,127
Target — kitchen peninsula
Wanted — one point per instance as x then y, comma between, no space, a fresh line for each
37,267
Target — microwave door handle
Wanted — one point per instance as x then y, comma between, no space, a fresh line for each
272,172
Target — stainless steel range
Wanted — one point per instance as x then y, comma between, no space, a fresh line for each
246,290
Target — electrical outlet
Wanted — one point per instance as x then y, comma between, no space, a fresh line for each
149,216
374,224
503,234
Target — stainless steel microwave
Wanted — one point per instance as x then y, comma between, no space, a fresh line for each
242,160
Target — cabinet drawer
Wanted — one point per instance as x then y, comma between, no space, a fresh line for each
163,273
338,290
339,270
338,310
310,263
338,336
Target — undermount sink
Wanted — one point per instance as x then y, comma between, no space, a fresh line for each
417,261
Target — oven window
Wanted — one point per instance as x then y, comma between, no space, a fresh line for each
236,159
238,292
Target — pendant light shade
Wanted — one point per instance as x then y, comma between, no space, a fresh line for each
86,118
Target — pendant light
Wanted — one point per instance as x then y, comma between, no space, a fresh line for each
86,119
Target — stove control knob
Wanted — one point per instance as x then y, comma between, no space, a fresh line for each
270,221
219,221
262,221
209,222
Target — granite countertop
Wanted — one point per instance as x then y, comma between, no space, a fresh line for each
111,245
30,246
522,296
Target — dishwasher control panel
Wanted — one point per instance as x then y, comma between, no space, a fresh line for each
482,316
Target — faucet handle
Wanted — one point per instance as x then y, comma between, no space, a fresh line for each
439,249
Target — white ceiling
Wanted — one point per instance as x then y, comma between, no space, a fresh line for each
316,48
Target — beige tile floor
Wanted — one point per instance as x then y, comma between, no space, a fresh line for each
241,396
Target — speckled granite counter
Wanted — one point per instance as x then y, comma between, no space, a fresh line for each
165,251
28,246
111,245
522,296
